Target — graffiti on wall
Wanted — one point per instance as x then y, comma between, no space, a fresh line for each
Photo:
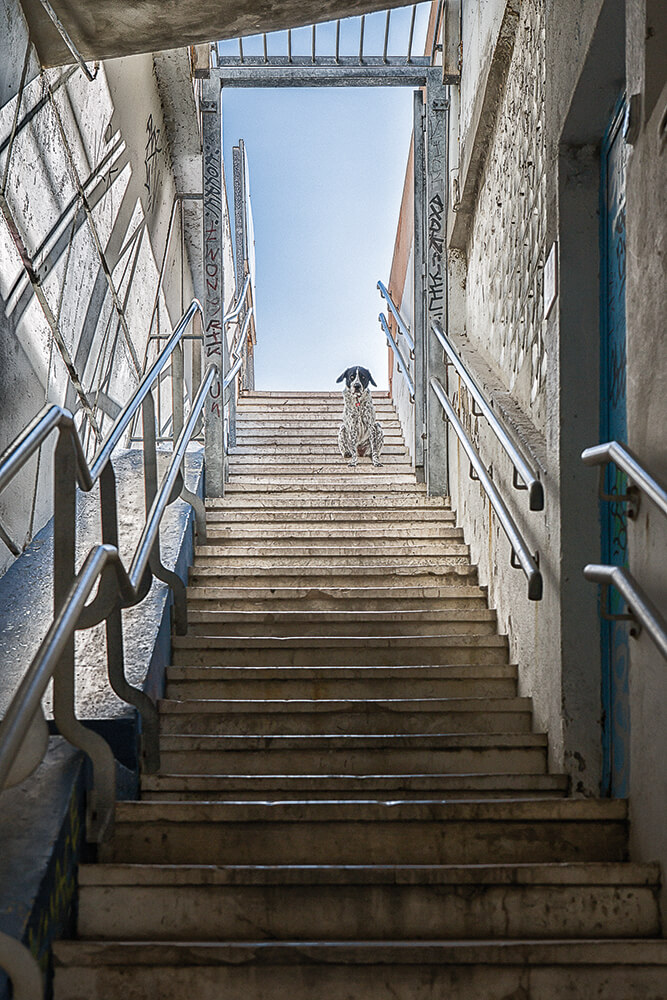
152,163
213,305
436,285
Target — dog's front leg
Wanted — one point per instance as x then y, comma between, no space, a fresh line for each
377,438
344,441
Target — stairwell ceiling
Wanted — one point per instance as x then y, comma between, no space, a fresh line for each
105,29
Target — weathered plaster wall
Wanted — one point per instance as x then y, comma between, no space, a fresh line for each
554,86
508,240
646,304
110,139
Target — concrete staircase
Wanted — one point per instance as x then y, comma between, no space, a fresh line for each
353,804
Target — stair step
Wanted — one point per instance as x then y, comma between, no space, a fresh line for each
333,515
316,576
404,970
348,903
366,479
496,681
276,624
437,648
214,787
454,753
335,533
430,832
292,717
334,599
327,471
381,554
311,500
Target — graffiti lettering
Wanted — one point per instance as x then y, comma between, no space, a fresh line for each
152,163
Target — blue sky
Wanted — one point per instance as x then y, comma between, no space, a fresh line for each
326,176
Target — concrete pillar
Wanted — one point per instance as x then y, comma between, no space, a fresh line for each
214,346
435,278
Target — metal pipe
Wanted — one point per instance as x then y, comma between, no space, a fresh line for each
412,33
402,363
162,498
62,31
402,326
239,302
625,459
386,36
126,415
236,344
527,562
30,691
640,606
231,374
532,483
362,28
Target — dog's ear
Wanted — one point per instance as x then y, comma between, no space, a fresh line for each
344,375
372,380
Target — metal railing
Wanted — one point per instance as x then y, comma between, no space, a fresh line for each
333,53
22,729
521,557
523,478
641,609
640,480
401,362
400,323
104,578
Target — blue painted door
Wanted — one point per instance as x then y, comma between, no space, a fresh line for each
613,426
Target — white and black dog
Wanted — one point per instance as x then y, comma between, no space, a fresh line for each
360,432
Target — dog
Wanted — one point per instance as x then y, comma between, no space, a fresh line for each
360,431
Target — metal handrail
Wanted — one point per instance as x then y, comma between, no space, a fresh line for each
625,459
239,302
402,363
640,607
56,654
520,551
521,467
131,408
397,316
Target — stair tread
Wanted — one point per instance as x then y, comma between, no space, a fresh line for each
435,810
268,705
641,951
572,873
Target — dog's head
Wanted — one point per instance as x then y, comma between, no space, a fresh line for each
357,379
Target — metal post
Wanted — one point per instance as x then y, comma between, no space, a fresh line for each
436,284
418,284
214,346
102,795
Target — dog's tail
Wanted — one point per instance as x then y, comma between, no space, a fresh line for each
363,449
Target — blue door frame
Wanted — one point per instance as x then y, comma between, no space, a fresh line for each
613,426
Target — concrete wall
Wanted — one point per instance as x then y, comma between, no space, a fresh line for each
533,182
646,303
130,141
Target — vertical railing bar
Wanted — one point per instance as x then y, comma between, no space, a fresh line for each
386,37
412,32
314,44
338,41
362,28
266,48
289,45
436,30
241,49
